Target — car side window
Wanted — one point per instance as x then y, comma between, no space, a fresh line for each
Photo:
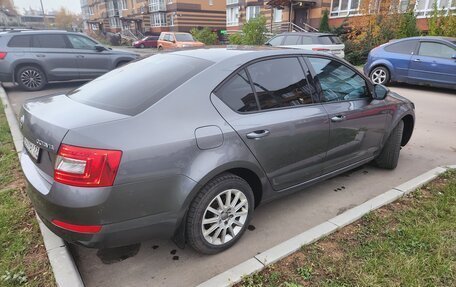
292,40
22,41
437,50
237,93
338,82
403,47
277,41
56,41
307,40
280,83
81,42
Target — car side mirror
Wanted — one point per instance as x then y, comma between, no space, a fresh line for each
453,57
100,48
380,92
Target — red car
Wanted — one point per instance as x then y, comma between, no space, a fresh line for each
147,42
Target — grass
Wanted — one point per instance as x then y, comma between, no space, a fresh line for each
23,259
411,242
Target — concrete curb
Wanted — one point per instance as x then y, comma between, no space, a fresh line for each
274,254
65,271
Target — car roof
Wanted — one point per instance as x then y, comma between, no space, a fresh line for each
451,39
26,32
220,54
314,34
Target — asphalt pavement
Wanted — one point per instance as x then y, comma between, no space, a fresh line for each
162,263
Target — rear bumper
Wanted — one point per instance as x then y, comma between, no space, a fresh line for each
124,221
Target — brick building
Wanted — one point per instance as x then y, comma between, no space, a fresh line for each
152,16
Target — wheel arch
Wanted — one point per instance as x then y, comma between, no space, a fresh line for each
409,124
25,64
380,63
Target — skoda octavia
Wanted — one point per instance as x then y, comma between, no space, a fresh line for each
186,144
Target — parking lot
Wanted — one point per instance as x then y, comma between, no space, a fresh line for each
162,263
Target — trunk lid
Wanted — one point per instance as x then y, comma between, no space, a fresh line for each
45,121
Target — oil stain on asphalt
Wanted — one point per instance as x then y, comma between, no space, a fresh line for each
118,254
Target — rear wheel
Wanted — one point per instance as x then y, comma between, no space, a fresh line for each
389,156
142,46
31,78
380,75
219,214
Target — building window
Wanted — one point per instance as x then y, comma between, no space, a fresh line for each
114,22
211,2
157,5
425,8
229,2
232,16
277,15
122,4
171,19
342,8
252,12
158,19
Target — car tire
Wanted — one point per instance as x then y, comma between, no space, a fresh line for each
142,46
215,204
380,75
389,156
160,48
31,78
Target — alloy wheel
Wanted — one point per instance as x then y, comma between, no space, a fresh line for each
31,78
225,217
379,76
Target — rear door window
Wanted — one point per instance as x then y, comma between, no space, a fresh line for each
292,40
237,93
280,83
22,41
306,40
56,41
403,47
329,40
130,92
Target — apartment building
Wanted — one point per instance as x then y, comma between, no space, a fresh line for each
306,14
153,16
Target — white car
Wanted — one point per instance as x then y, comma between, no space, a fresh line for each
323,42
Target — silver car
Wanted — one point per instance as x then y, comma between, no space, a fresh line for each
187,144
34,58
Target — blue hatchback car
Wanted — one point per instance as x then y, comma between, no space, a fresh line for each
418,60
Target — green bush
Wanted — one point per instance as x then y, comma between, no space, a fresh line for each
205,35
324,24
407,26
253,33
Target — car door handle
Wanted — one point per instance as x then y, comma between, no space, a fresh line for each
258,134
338,118
80,56
416,60
40,55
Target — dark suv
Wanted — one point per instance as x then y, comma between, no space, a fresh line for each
34,58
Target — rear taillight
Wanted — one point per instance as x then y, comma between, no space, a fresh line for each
89,229
320,49
3,55
87,167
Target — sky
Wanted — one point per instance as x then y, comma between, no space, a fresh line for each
71,5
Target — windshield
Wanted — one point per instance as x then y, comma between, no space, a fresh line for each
184,38
137,86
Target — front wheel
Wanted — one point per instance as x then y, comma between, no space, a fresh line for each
389,156
219,214
31,78
380,75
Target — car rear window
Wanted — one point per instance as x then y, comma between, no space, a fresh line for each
22,41
329,40
133,88
403,47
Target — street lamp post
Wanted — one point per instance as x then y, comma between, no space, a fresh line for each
44,15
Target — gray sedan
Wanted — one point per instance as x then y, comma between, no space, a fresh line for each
187,144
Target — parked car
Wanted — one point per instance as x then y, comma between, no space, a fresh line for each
147,42
174,40
252,125
34,58
322,42
417,60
